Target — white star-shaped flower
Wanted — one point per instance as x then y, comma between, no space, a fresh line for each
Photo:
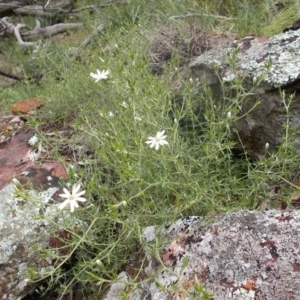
124,104
100,75
158,140
33,140
33,156
137,118
72,198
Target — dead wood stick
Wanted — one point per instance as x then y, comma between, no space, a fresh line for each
99,29
64,6
39,11
39,32
12,76
76,51
8,26
19,39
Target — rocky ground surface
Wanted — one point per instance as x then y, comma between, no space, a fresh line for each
239,255
267,67
20,229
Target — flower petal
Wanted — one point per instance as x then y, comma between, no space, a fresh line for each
80,199
64,204
149,142
80,194
75,189
160,134
72,207
66,194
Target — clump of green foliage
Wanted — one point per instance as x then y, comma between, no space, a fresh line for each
283,19
195,173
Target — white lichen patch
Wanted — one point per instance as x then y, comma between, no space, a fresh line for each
281,53
46,196
149,233
19,230
19,218
241,294
117,287
25,229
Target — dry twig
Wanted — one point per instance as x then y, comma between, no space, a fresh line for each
38,31
76,51
12,76
63,7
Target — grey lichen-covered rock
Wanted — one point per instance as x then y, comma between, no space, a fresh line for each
275,59
22,233
239,255
274,63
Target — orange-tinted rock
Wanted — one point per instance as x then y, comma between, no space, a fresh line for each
40,175
26,106
11,156
57,169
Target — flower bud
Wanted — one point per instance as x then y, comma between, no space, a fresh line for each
99,263
267,146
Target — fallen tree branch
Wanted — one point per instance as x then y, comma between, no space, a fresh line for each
39,32
8,6
38,11
19,39
34,77
74,52
8,26
99,29
12,76
46,11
